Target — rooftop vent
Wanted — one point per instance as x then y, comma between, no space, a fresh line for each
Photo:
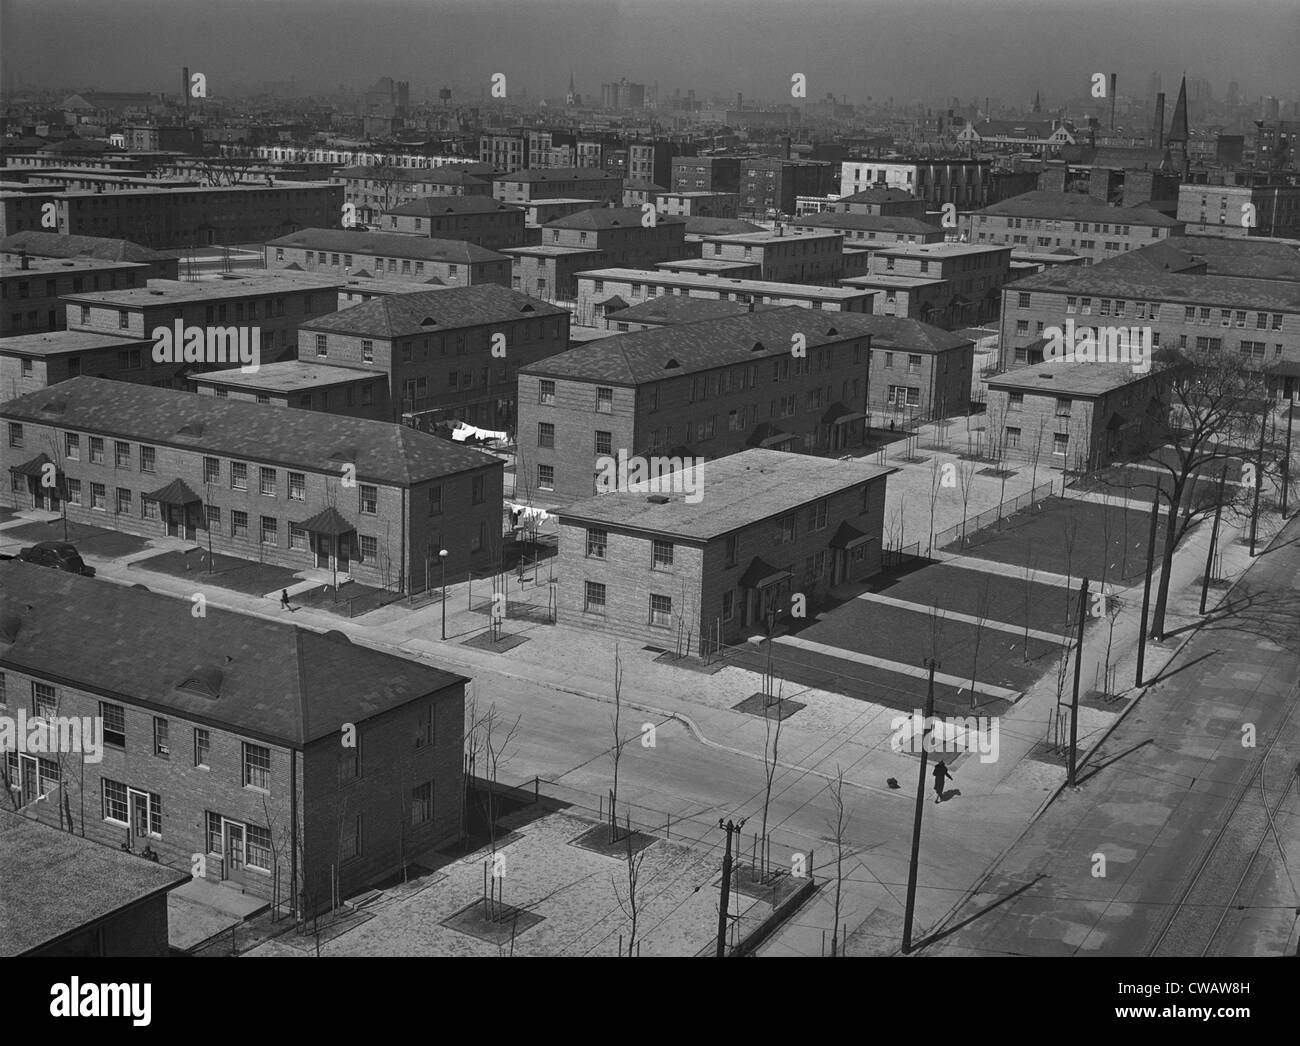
10,626
205,682
658,499
428,321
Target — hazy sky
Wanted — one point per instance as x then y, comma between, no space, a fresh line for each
853,48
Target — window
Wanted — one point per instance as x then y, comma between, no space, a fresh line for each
15,434
594,598
74,491
729,605
604,401
211,470
1023,300
597,542
786,529
604,442
238,523
733,540
435,500
266,482
297,486
297,537
258,841
238,475
123,502
369,495
819,515
661,555
72,446
115,806
321,346
1013,437
1016,401
257,766
913,364
545,434
121,455
367,351
270,530
545,477
160,745
202,746
1060,443
1062,406
350,839
97,494
661,611
422,803
148,459
114,717
477,487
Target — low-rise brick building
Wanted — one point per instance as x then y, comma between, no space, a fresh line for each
299,383
761,527
29,362
559,183
447,355
345,253
36,244
917,371
479,220
265,756
945,284
622,234
1077,415
883,202
716,386
795,257
697,204
325,495
31,288
870,229
549,271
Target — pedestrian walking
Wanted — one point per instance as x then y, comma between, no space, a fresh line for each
941,777
284,599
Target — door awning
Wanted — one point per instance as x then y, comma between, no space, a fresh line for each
760,574
35,467
329,521
175,493
848,536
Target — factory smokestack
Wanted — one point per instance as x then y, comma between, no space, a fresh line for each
1160,120
185,89
1113,78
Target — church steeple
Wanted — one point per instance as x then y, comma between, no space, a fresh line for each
1179,133
572,94
1038,102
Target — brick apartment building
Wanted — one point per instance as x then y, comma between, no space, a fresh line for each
227,740
559,183
31,288
697,204
770,184
882,202
338,252
917,371
1263,209
550,272
29,362
1077,416
601,291
253,482
1255,320
1090,227
479,220
796,257
718,174
436,350
662,571
964,182
185,217
373,190
715,387
157,266
869,229
621,234
308,386
948,285
275,305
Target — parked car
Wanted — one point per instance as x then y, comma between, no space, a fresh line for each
57,554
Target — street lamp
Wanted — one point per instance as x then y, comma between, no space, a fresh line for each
442,564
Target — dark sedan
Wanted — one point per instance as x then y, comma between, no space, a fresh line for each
57,554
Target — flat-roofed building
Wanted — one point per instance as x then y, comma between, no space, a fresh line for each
479,220
253,482
1077,415
697,204
735,270
621,232
1263,209
31,289
29,362
697,227
604,290
559,183
549,271
55,245
221,751
654,313
715,386
304,384
794,257
869,229
715,565
345,253
882,202
447,355
948,285
373,189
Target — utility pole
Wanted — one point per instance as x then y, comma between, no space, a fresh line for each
1078,665
725,904
910,908
1259,474
1146,584
1214,537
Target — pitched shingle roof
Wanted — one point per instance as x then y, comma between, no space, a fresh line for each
274,681
55,245
557,174
1133,284
608,218
382,452
431,312
1075,207
436,206
872,222
388,245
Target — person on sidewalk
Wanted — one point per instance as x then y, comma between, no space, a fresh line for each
284,599
941,776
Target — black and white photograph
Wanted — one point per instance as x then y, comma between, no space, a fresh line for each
650,479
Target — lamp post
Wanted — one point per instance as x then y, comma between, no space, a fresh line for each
442,565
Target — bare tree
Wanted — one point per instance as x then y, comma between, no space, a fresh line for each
630,903
837,828
497,738
936,476
771,744
966,482
616,752
982,616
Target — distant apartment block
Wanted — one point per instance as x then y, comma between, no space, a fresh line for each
868,230
479,220
882,202
53,245
966,183
1240,210
916,370
550,272
717,174
622,233
559,183
770,185
373,189
31,288
345,253
697,204
303,384
945,284
709,388
796,257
